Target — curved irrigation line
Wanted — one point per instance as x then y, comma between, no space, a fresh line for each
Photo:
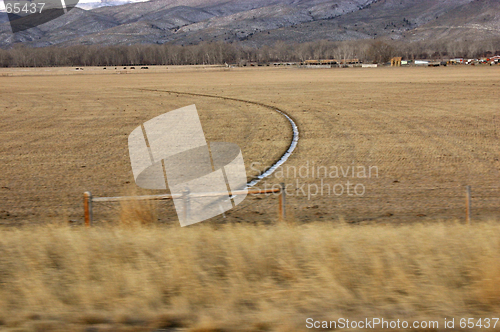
284,157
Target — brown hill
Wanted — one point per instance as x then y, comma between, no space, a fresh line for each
261,22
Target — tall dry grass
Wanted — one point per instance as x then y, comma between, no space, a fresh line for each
243,277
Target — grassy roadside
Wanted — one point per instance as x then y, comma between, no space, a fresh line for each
243,277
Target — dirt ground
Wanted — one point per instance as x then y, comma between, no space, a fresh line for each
425,133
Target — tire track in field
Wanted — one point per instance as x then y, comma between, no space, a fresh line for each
276,164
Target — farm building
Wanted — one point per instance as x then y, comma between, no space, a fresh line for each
421,63
331,62
350,61
312,62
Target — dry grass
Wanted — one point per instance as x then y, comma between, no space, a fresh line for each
137,212
244,277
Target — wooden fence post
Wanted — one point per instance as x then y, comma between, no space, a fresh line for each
87,206
468,205
282,202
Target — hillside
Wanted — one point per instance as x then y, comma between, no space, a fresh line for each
473,21
264,22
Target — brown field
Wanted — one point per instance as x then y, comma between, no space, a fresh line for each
429,131
400,251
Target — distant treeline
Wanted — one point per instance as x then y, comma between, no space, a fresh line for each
368,51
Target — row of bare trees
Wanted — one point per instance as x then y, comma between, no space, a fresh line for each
377,51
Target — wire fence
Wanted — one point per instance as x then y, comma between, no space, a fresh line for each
89,200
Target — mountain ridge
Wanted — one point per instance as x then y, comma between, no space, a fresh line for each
264,22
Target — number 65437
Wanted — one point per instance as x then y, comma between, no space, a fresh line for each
24,8
481,323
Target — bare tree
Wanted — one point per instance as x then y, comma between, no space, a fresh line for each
219,53
380,51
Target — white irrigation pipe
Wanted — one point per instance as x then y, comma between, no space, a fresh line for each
284,158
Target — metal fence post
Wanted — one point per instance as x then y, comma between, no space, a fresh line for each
87,206
468,205
282,202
